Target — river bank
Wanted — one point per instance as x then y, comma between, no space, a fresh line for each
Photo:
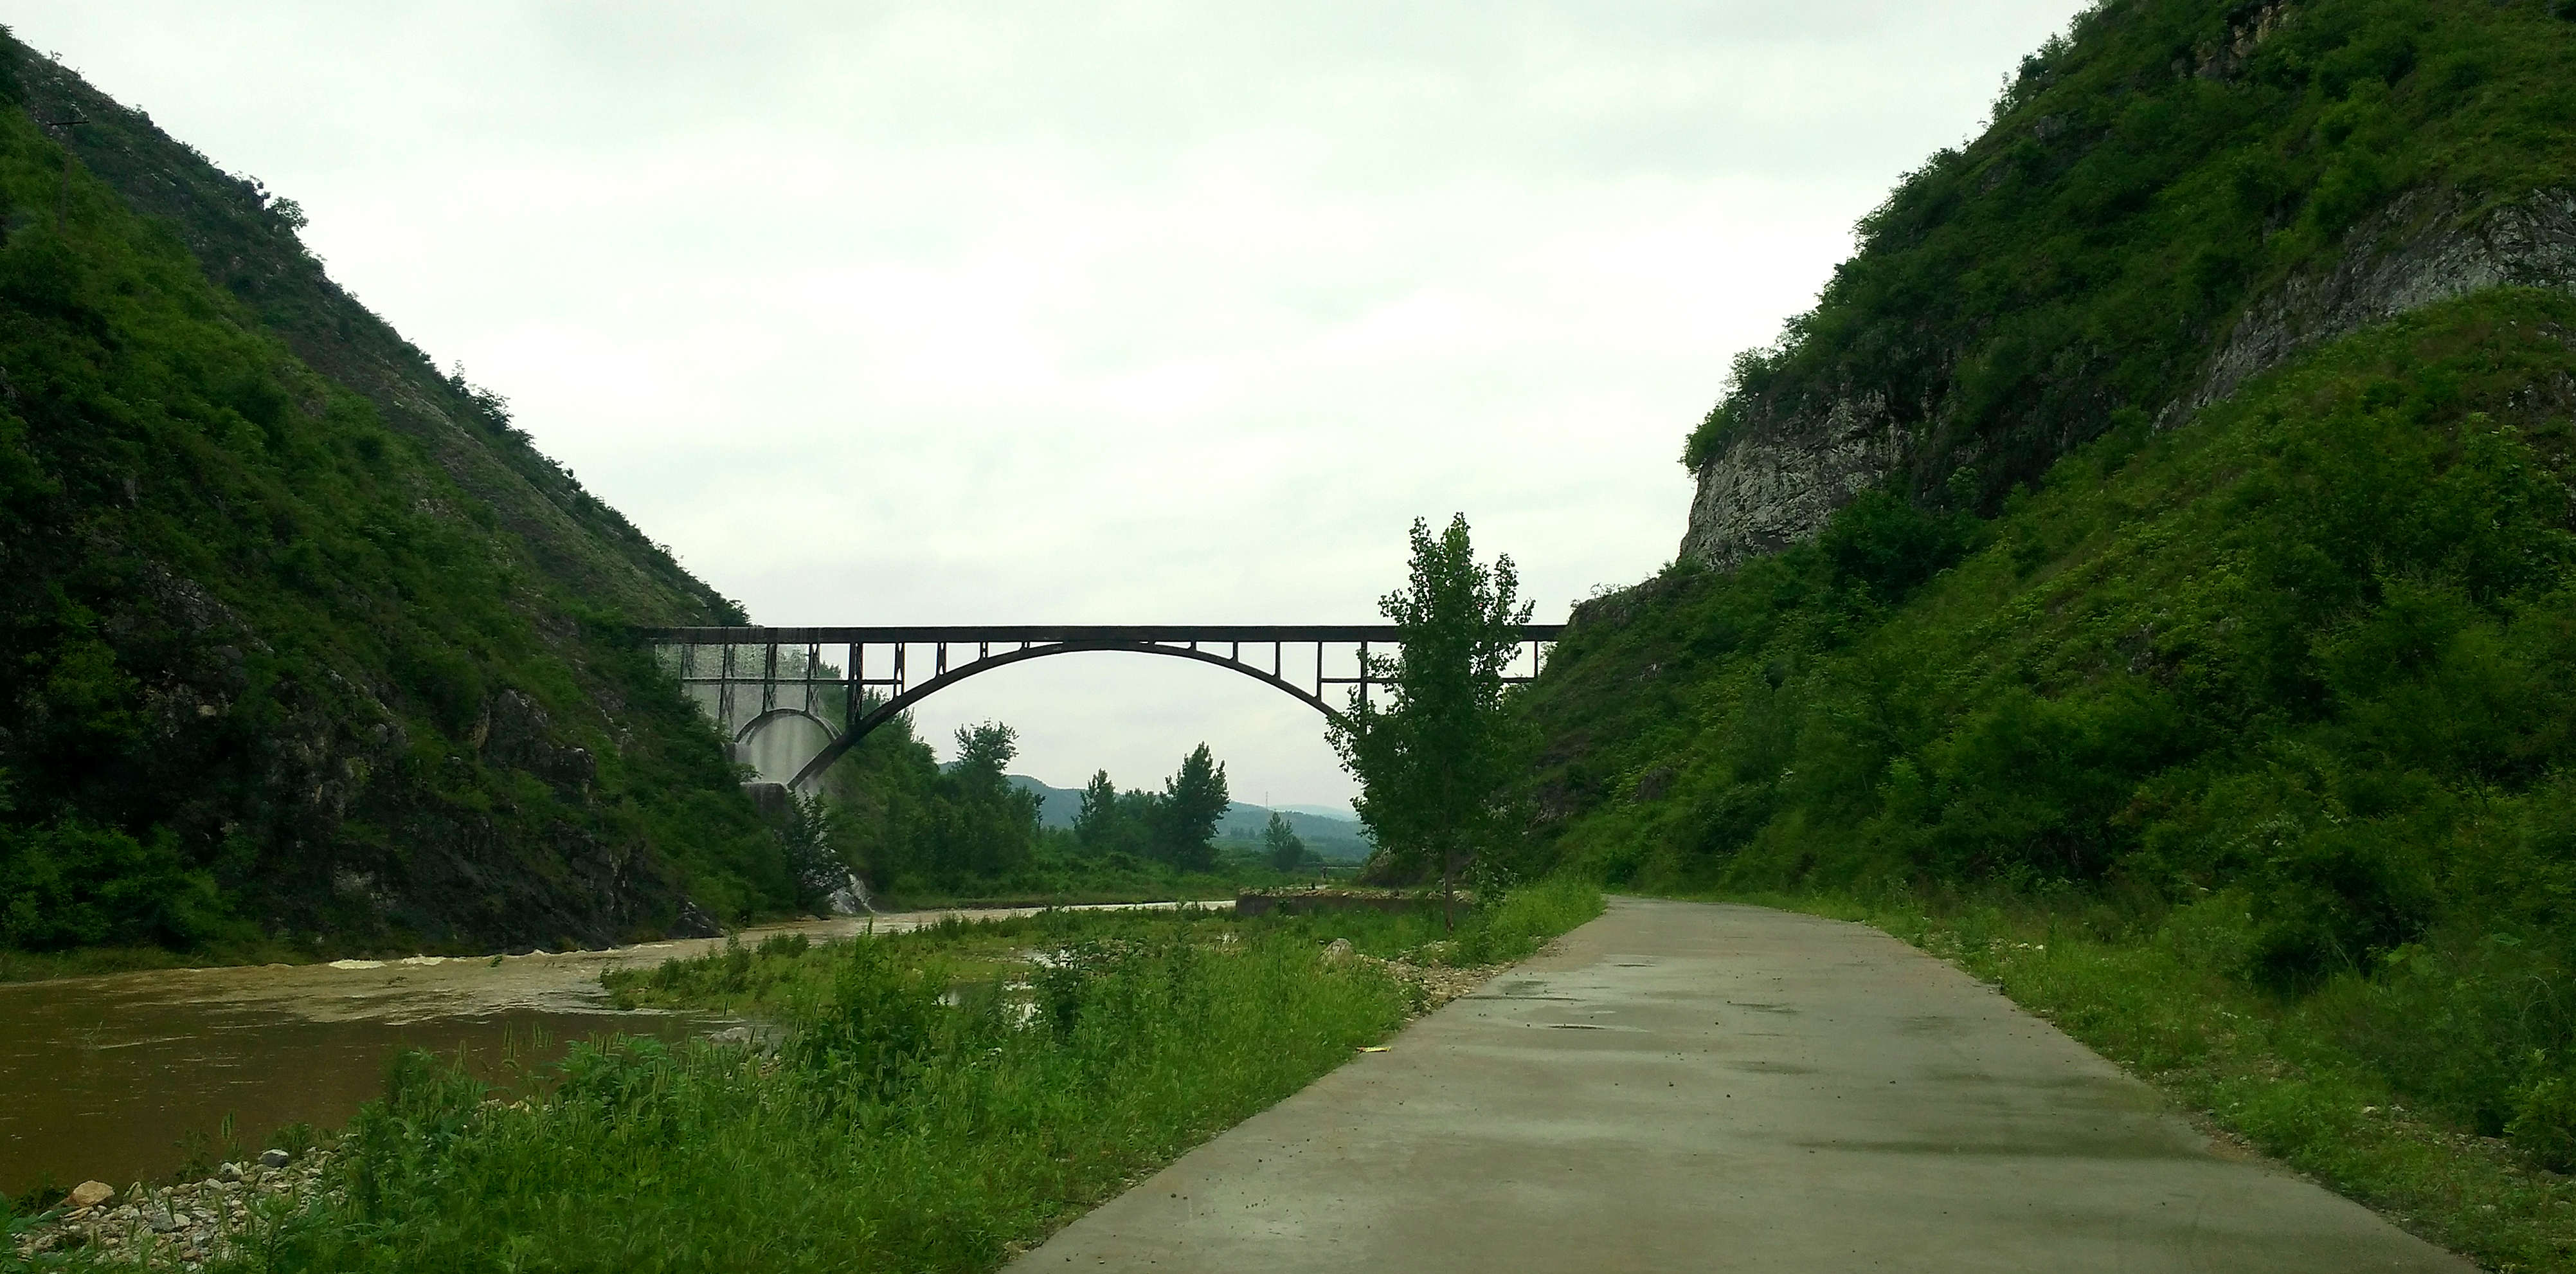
186,1224
130,1076
910,1118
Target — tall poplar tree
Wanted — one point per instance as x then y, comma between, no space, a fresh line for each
1434,757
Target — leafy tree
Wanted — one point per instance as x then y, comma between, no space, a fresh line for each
1185,818
986,828
1433,762
1115,822
1287,852
1096,826
984,751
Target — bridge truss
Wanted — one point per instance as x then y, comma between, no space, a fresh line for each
845,682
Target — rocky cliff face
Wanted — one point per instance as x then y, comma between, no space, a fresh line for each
1787,469
1778,480
2423,248
2173,198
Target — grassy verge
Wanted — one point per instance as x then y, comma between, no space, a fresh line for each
2295,1076
1184,889
940,1098
1519,924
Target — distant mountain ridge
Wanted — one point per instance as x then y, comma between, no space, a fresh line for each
1340,840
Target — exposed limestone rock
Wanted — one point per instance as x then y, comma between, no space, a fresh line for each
1779,480
2422,249
1774,484
2246,32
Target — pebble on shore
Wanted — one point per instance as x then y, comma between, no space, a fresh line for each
184,1225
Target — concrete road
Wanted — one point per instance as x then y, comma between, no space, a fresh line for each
1693,1087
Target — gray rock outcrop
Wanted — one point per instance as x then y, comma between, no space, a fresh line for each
2424,248
1785,471
1776,482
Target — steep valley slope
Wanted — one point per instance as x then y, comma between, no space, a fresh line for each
2168,506
305,642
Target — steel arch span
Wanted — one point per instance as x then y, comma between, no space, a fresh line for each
790,672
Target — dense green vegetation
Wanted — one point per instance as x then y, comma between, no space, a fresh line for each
938,1099
2313,654
1175,827
2253,715
246,241
2143,181
924,834
271,674
1330,838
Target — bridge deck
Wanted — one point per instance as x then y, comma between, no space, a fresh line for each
790,663
882,635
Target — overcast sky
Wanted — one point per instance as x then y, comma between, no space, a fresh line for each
1085,313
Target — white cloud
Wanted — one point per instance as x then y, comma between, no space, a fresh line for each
1113,312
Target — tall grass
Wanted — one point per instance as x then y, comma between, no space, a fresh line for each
893,1131
937,1102
1510,929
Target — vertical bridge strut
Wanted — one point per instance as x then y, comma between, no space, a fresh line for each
797,678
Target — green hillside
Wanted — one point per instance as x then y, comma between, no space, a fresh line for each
2164,199
305,644
2215,597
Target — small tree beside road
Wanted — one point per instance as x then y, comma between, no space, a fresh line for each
1434,758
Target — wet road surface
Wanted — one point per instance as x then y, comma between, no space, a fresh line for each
1683,1086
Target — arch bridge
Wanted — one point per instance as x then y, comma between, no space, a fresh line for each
794,699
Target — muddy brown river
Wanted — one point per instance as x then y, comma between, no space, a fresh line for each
120,1078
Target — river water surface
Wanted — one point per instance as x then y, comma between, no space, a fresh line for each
121,1077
